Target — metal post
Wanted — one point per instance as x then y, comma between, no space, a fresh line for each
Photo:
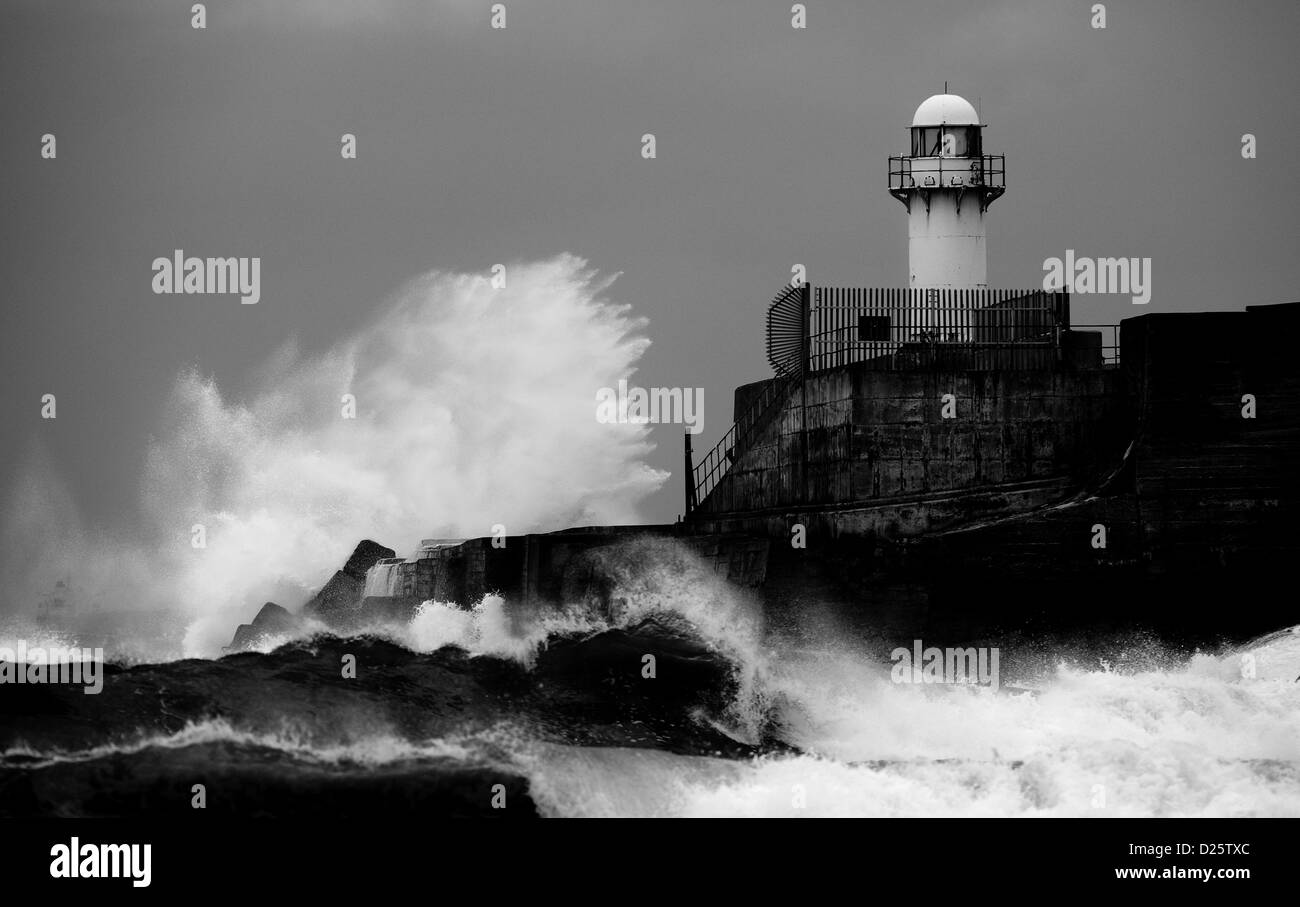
803,388
805,301
691,502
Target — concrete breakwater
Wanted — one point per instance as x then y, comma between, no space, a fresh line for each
377,587
1163,493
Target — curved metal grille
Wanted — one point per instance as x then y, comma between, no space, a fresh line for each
785,331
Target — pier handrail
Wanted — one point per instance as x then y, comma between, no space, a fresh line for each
787,352
715,464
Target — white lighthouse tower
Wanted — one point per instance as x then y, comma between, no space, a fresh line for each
946,184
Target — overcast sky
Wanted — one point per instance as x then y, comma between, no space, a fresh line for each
479,146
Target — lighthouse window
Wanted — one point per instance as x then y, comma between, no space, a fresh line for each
925,141
961,141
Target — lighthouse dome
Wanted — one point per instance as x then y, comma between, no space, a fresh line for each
945,109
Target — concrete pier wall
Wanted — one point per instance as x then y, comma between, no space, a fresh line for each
923,524
547,567
866,451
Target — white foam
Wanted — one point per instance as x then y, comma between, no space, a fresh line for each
1192,739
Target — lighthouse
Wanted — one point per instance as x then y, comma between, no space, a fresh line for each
946,184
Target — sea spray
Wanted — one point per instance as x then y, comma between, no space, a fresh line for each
472,408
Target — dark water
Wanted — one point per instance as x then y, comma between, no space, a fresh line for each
285,733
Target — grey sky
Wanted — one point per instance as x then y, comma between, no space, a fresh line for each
478,146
